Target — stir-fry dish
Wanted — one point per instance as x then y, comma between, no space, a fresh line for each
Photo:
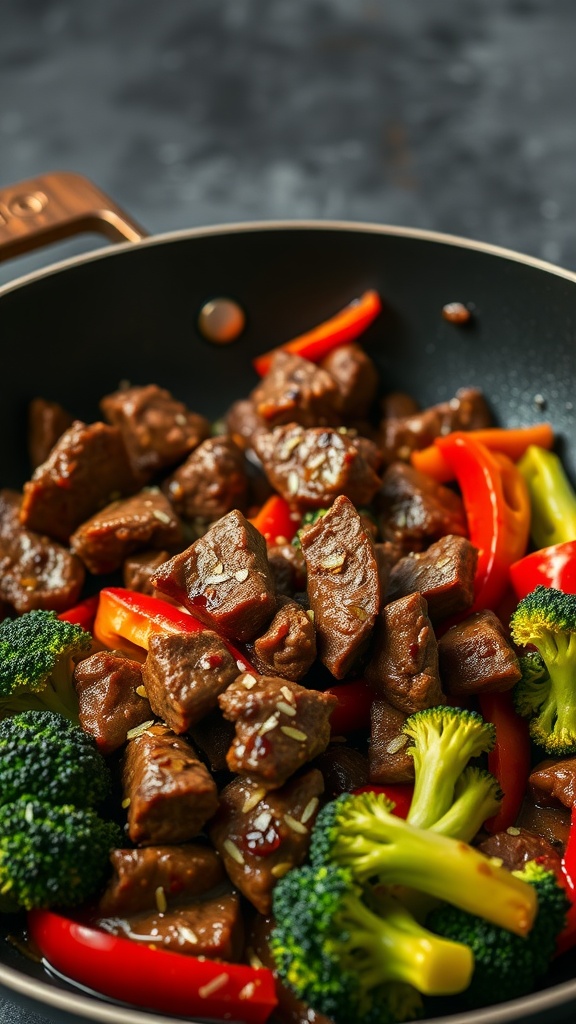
288,700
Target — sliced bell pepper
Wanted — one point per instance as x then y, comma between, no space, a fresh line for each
276,521
400,793
497,510
554,566
509,761
345,326
82,614
512,441
126,619
352,712
152,978
552,497
567,938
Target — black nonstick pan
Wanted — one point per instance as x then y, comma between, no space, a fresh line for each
129,312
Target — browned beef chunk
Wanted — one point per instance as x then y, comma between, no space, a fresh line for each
279,726
296,391
260,836
87,468
553,823
158,430
414,510
211,482
554,781
144,520
343,585
356,378
224,578
171,793
243,422
288,647
111,698
343,769
515,848
404,663
139,568
311,467
476,656
182,872
213,736
397,404
211,927
184,673
47,421
402,435
288,568
35,572
443,574
388,757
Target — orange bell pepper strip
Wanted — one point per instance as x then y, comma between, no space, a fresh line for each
497,507
512,442
510,759
276,521
345,326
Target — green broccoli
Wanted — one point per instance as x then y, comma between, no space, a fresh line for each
546,618
35,653
477,796
503,962
359,831
351,963
48,756
444,739
552,497
52,855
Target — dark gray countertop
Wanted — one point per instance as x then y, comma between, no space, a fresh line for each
443,114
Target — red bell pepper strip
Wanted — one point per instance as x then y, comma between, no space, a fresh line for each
152,978
567,938
512,441
345,326
127,619
83,614
352,712
276,521
509,761
554,566
497,509
400,793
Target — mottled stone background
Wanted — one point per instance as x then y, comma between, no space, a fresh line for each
457,115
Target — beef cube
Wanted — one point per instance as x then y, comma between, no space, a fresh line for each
111,698
85,470
288,568
211,927
243,422
397,404
388,757
554,781
158,430
343,769
296,391
35,572
343,585
144,520
356,378
213,736
311,467
224,578
181,872
404,664
211,482
516,848
47,421
261,836
184,673
139,568
288,647
443,574
476,656
279,727
171,794
414,510
402,435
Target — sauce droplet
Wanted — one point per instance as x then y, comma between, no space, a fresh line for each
221,321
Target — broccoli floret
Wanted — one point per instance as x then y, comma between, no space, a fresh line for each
503,962
35,652
48,756
52,855
359,831
552,497
345,960
444,739
546,618
477,796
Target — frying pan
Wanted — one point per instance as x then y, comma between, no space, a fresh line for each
73,331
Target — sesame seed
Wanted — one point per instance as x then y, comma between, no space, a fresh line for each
287,693
286,709
213,986
248,991
310,614
180,419
262,821
248,681
141,691
241,575
334,562
126,802
160,897
29,813
139,729
359,612
221,577
252,957
309,809
253,799
186,934
294,734
233,851
396,744
513,831
295,825
293,482
268,725
161,516
281,869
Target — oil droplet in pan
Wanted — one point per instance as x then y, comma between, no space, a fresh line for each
221,321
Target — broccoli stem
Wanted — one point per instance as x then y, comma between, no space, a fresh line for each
556,717
477,797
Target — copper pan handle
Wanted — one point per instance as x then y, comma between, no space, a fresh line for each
58,205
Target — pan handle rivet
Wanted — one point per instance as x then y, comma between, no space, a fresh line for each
28,204
221,321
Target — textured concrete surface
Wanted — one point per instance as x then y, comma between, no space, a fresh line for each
456,115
